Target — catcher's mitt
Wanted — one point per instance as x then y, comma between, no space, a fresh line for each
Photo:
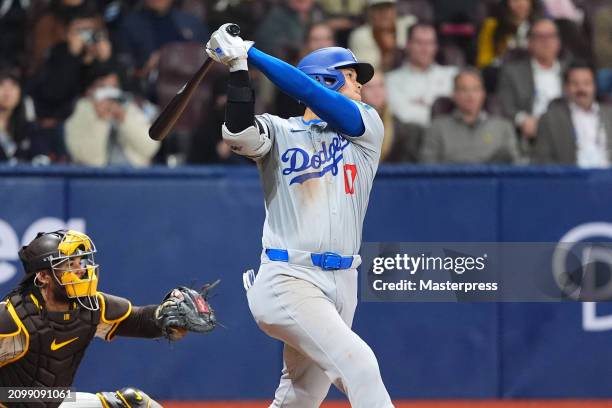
186,309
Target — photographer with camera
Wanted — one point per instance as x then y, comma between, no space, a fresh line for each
87,41
107,127
63,78
50,27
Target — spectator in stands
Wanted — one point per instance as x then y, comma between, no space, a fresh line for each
343,16
506,31
283,30
457,24
400,144
347,8
602,44
63,78
248,14
413,88
319,35
51,28
576,129
527,86
13,19
469,135
564,9
107,127
144,31
14,127
382,38
571,22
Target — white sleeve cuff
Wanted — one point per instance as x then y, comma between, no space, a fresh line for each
239,65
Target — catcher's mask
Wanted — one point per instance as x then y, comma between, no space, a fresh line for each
59,252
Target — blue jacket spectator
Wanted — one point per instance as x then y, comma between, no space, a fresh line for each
143,32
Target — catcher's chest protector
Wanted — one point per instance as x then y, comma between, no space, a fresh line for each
57,342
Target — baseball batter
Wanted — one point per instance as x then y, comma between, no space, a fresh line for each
316,172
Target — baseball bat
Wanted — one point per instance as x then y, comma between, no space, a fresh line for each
172,111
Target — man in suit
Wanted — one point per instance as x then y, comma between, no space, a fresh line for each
527,86
576,129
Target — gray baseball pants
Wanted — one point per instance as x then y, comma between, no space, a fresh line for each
311,311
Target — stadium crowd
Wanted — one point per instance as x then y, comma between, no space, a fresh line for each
471,81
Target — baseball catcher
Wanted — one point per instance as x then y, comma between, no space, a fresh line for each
48,321
317,172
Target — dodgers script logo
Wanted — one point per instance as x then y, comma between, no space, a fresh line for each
327,159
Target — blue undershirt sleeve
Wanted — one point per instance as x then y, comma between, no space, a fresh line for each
337,110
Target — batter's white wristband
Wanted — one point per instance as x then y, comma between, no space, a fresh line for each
239,65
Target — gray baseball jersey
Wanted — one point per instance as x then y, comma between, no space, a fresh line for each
317,183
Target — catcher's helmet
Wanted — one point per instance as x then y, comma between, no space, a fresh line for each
56,251
323,66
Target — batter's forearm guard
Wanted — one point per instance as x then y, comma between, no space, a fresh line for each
240,108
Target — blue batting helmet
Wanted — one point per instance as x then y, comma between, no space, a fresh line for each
323,66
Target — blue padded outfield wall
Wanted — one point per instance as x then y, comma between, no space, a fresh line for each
159,228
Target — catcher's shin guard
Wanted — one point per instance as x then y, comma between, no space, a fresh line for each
128,397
